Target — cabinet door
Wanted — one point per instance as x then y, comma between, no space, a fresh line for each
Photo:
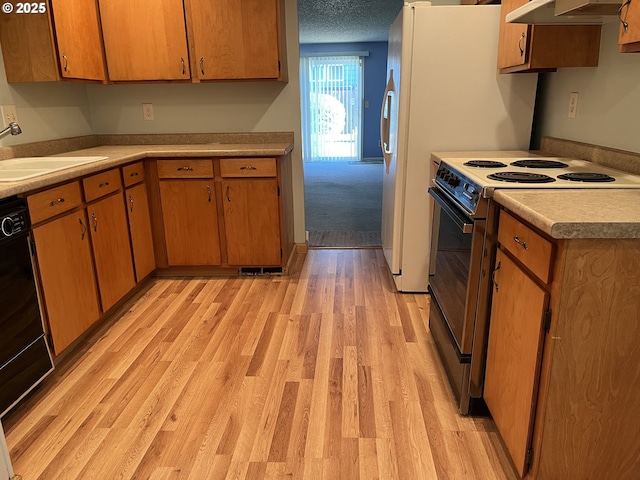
235,40
252,221
513,355
79,42
630,36
145,40
513,39
111,249
66,273
144,258
190,222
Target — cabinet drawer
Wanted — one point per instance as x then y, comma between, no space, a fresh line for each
133,173
56,200
185,169
533,250
101,184
248,167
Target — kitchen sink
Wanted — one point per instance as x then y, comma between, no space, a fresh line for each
17,169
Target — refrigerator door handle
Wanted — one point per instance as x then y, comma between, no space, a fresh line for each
385,121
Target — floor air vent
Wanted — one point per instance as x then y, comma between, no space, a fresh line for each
261,271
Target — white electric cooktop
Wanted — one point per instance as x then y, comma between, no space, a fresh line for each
488,175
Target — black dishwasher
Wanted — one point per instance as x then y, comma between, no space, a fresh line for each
24,354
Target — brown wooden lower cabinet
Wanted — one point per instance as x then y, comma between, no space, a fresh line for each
137,203
68,284
563,382
252,221
111,249
190,222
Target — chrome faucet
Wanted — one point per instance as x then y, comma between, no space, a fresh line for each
13,129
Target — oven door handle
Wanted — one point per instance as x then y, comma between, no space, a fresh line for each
458,218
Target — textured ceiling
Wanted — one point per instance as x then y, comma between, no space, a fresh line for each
337,21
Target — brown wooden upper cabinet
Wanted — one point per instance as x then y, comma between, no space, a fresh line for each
629,39
538,48
236,40
145,40
63,41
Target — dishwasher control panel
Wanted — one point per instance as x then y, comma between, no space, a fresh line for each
14,218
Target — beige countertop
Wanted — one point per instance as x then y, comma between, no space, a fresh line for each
122,154
565,213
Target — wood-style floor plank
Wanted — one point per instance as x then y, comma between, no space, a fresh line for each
327,373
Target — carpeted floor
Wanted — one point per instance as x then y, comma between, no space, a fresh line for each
343,203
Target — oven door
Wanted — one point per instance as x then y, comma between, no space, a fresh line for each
456,259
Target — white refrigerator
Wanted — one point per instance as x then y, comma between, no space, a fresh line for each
443,93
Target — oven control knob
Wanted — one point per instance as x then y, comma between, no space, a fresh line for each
7,226
454,181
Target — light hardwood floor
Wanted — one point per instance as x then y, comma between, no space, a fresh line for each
322,374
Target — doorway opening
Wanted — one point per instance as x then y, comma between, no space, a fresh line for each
343,193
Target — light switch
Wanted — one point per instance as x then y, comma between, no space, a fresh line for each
573,104
147,111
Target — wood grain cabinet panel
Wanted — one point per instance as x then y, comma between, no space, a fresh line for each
68,284
144,258
62,42
145,40
539,48
236,40
252,221
513,356
133,173
190,222
629,38
54,201
111,249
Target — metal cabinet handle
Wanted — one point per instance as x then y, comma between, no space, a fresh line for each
520,242
56,201
104,184
130,203
248,167
227,193
186,169
202,65
84,229
521,44
209,193
95,221
624,23
133,174
183,67
493,275
65,63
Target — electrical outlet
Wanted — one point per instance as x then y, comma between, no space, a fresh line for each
147,111
9,115
573,104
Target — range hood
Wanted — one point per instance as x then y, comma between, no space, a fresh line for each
564,12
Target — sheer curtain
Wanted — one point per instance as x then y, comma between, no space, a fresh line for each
331,91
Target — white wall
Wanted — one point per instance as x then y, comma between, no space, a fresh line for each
609,98
46,110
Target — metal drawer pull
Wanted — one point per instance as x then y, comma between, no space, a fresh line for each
493,275
186,169
202,65
95,221
105,184
130,203
57,201
248,167
520,242
66,62
209,192
133,174
521,45
228,197
84,229
183,69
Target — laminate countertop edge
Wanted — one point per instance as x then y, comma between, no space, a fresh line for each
118,155
576,213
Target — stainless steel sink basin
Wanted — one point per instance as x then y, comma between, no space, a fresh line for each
17,169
